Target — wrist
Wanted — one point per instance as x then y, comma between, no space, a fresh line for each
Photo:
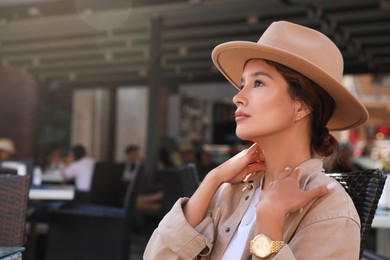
270,221
213,179
263,246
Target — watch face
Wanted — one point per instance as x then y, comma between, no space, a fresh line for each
262,247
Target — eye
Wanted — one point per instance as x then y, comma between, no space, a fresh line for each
258,83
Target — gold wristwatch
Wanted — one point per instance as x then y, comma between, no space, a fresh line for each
262,246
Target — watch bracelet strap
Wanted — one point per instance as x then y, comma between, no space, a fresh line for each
276,246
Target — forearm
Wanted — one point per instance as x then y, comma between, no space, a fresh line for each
196,208
270,222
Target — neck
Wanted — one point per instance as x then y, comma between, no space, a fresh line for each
289,149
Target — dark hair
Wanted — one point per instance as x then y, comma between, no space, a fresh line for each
78,152
321,105
131,148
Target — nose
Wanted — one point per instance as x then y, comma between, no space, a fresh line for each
239,98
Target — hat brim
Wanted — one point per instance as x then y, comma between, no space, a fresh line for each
230,58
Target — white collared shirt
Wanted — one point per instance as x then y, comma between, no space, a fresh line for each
238,242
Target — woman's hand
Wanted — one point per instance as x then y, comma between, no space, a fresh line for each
239,166
233,170
282,196
285,195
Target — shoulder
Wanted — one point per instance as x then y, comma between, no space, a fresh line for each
86,161
335,205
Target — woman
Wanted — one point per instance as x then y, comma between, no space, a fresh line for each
273,199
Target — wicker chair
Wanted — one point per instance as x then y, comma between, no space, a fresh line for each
365,188
90,231
4,170
13,209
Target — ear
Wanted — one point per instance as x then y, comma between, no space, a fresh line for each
301,110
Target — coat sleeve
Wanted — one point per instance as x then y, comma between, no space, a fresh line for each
335,238
174,238
330,230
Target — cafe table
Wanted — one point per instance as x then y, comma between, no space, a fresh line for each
52,192
11,253
42,198
53,176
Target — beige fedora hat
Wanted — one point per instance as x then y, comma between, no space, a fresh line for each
305,50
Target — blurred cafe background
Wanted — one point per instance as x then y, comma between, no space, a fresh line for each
133,84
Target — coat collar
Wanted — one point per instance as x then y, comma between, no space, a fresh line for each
308,168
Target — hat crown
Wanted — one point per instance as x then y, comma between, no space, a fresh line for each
306,43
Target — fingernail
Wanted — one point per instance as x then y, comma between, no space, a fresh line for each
331,186
287,169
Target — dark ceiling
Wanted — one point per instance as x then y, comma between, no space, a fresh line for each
84,43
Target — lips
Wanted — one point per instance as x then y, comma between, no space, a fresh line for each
240,116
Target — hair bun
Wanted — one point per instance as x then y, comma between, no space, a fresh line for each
325,143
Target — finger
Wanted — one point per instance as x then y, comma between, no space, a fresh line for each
321,190
296,173
255,154
261,154
255,167
286,173
253,149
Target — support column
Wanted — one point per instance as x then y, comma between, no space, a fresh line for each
112,124
154,98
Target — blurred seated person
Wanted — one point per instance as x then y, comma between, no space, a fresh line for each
53,165
147,202
187,154
55,159
150,202
164,159
344,161
165,162
133,162
7,149
9,159
204,164
79,167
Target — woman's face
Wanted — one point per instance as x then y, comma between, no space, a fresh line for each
264,106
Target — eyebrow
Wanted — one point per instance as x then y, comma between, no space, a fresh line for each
258,73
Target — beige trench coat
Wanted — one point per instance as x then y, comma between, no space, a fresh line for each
326,228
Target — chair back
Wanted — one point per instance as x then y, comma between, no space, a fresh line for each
171,186
132,191
13,209
106,186
4,170
365,188
189,179
88,231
